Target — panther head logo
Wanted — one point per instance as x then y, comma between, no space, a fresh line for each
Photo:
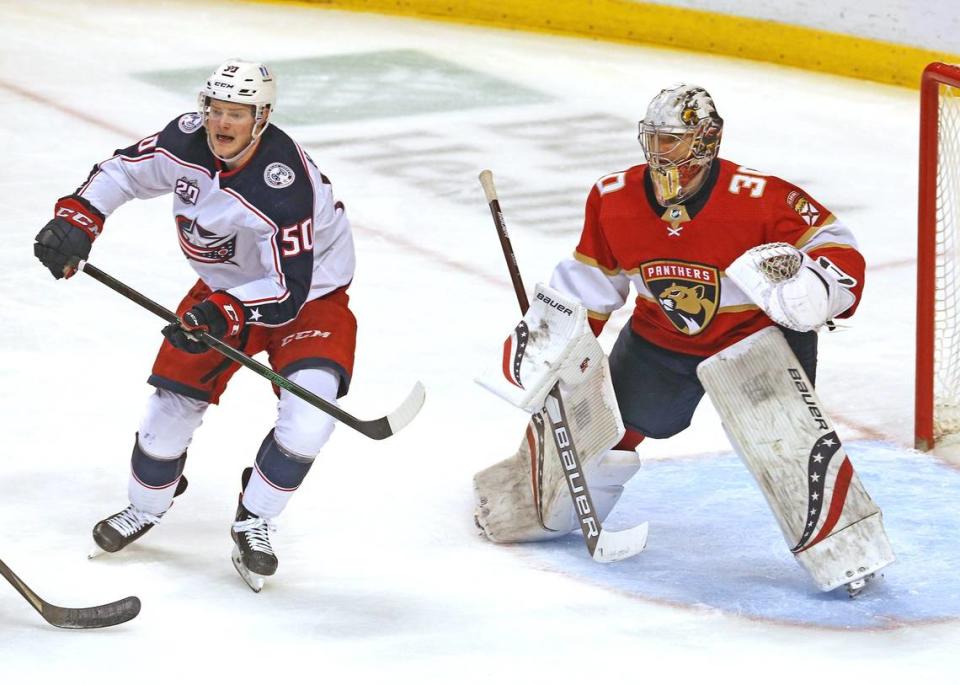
688,294
686,306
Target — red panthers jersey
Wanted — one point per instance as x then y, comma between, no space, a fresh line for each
676,256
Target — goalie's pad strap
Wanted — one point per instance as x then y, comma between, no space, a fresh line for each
775,422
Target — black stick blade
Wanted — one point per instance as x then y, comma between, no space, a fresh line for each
102,616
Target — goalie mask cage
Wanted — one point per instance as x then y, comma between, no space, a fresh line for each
937,408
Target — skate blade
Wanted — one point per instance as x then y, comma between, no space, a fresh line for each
858,586
95,551
253,580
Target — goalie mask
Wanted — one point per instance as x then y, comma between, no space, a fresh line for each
241,82
680,136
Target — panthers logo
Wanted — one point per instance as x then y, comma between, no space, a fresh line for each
687,307
688,294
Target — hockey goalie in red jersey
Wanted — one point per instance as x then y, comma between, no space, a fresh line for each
727,262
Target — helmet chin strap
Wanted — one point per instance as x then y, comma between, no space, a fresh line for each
245,150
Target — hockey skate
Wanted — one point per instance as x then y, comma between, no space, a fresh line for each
116,532
252,554
857,586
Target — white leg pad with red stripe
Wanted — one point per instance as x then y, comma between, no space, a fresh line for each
777,425
525,497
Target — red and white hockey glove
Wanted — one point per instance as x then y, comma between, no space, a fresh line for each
68,236
221,315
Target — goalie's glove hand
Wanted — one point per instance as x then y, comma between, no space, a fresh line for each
68,236
792,289
220,315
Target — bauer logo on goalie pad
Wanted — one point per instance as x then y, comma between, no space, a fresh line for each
825,480
808,398
687,293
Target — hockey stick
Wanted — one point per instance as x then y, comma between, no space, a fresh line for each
378,429
604,545
102,616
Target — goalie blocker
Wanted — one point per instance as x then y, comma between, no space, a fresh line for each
527,497
775,423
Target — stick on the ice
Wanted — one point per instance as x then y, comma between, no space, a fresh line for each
378,429
110,614
603,545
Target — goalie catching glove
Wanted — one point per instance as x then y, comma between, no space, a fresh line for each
794,290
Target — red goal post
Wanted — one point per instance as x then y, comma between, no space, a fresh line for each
937,399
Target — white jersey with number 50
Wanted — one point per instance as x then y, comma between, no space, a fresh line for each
270,232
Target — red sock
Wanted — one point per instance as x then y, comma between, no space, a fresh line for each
630,440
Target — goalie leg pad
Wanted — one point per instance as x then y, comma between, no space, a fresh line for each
775,423
854,552
506,494
525,497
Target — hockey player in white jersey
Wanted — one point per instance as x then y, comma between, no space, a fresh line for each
258,222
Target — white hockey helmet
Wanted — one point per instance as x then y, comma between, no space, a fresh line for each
247,83
680,136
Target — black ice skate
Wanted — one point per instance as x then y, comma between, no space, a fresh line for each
117,531
252,556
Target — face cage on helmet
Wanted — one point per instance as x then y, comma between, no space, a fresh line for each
701,152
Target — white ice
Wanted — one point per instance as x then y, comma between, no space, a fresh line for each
382,577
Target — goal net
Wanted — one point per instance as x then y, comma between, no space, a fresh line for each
937,411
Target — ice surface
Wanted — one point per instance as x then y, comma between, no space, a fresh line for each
382,577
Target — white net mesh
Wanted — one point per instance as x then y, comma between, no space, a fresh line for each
947,299
783,266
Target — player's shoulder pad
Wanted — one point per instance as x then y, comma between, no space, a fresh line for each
277,180
185,138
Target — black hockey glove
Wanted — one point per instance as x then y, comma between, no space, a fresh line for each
69,235
60,242
219,315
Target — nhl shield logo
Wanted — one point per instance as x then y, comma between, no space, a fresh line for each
688,294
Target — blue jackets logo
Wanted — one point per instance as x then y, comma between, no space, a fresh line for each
205,246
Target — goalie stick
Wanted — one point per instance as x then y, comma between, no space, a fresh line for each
102,616
604,545
378,429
